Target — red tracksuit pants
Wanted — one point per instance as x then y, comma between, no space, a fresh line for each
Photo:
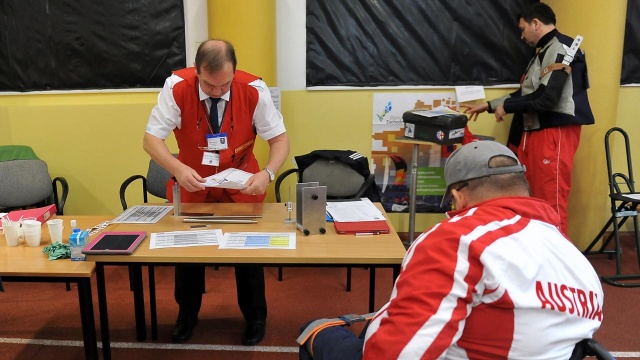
548,157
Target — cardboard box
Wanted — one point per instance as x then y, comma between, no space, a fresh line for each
442,129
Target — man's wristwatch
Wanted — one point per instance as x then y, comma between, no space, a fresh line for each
272,175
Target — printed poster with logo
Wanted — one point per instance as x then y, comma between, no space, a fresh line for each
392,159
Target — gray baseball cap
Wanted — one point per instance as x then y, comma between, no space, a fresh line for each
471,161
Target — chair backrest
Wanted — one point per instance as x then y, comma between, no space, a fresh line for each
340,179
155,183
619,178
24,183
345,173
157,178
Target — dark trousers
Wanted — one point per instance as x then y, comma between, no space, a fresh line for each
189,281
333,343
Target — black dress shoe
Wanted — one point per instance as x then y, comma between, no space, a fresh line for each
253,332
183,330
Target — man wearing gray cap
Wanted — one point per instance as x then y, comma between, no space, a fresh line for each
497,279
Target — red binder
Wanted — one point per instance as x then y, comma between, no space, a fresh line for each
362,227
41,214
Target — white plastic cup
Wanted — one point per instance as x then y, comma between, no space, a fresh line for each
55,230
12,234
32,232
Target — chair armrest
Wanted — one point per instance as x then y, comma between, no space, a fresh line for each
365,186
125,184
281,177
60,201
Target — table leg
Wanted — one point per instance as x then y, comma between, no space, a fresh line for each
138,303
152,303
396,273
412,193
372,288
87,319
104,317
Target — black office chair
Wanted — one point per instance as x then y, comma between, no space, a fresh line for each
345,173
154,183
590,347
26,182
624,205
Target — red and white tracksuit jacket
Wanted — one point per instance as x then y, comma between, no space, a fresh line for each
494,281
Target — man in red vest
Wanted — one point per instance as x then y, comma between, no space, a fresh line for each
215,113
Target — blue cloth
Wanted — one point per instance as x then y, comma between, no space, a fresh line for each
334,343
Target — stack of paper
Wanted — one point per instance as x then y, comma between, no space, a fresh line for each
229,179
357,217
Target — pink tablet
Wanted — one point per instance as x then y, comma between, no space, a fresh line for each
114,242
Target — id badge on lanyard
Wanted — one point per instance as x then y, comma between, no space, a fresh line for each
217,142
210,158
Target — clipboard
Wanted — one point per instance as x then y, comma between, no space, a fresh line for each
362,227
116,243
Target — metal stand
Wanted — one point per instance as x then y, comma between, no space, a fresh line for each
289,206
414,182
311,208
177,208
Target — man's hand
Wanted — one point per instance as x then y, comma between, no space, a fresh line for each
474,110
189,179
500,113
257,184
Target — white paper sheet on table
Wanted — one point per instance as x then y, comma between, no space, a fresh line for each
351,211
173,239
258,240
142,214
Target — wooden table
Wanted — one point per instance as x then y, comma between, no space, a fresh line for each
330,249
28,264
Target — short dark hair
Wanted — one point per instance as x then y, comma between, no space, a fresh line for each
500,183
212,57
540,11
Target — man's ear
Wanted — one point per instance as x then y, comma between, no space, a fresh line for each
460,201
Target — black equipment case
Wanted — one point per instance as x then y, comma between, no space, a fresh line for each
444,129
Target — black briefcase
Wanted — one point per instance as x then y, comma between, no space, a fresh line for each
445,129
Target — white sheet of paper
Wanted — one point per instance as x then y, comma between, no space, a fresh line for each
438,111
229,179
468,93
350,211
142,214
258,240
173,239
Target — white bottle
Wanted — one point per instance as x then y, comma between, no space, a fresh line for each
77,241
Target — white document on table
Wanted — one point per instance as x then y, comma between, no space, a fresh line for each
258,240
354,211
142,214
229,179
174,239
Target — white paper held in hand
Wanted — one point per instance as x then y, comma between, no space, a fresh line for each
229,179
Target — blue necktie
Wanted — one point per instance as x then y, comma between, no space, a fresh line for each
213,115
